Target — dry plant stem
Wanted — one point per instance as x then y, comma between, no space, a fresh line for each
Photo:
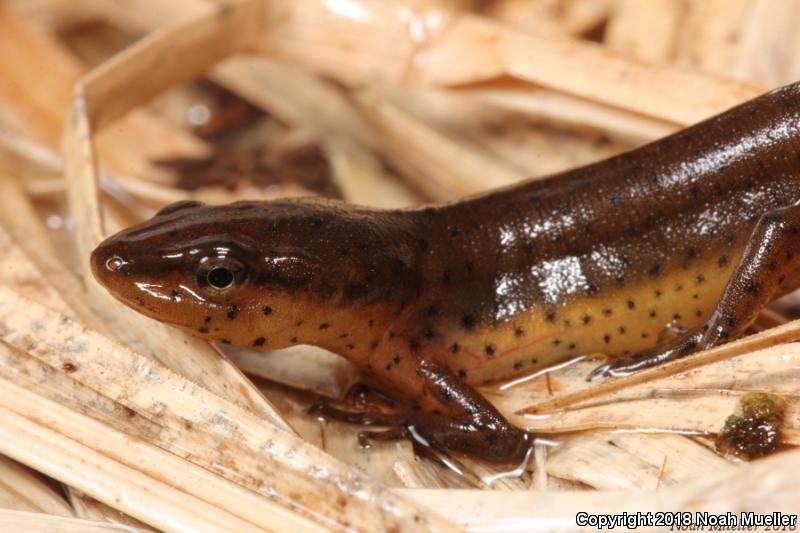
165,58
26,490
205,428
645,29
375,47
628,460
767,47
567,110
88,508
187,355
19,218
43,102
302,367
708,35
78,451
660,92
786,333
765,486
441,167
23,521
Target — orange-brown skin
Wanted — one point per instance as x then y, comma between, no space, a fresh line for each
697,231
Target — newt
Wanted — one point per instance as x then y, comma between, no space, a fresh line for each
698,230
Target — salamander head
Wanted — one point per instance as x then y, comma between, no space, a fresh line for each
251,273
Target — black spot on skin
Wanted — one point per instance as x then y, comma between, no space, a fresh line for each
259,341
489,350
517,365
225,341
455,348
350,346
586,319
550,316
324,325
374,344
572,346
658,293
432,311
414,345
462,373
607,312
233,312
391,333
491,438
652,313
621,330
396,359
645,335
455,232
723,261
751,286
606,338
655,270
427,333
469,267
620,279
203,330
298,323
631,304
534,361
468,322
207,319
556,342
676,316
344,335
293,340
772,266
700,279
691,252
678,287
519,332
698,313
695,296
388,366
267,310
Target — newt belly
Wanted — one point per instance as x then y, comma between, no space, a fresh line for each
692,233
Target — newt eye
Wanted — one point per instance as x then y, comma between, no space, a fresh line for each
220,278
218,275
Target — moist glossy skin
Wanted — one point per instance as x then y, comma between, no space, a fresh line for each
601,259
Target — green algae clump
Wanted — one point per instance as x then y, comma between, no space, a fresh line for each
755,429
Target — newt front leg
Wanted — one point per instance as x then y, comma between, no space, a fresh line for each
448,414
768,261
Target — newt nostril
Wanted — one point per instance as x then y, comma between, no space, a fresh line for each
115,263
